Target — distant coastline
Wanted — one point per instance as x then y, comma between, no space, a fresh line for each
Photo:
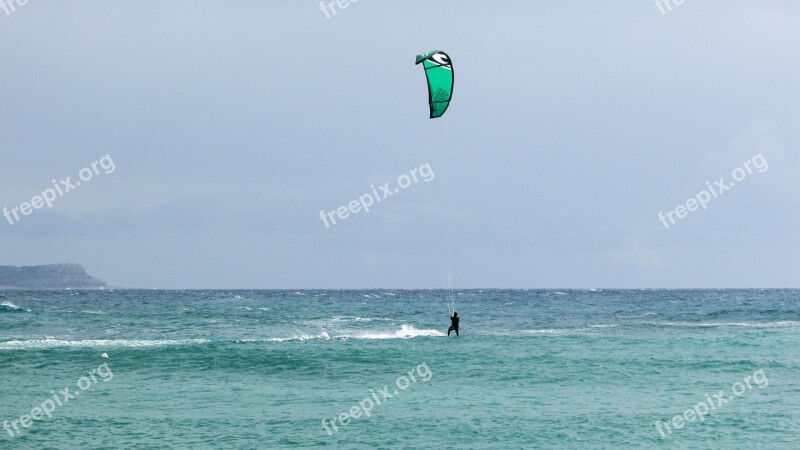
51,276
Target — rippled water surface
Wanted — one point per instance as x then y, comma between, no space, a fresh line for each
531,369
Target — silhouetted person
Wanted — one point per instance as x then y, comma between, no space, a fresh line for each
453,324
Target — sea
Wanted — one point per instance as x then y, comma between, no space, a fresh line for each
375,369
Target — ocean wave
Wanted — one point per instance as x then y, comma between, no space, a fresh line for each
8,306
555,331
779,324
301,337
405,332
358,319
588,329
90,343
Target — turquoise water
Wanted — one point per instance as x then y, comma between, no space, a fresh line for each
576,369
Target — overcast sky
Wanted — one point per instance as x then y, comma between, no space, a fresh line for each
232,124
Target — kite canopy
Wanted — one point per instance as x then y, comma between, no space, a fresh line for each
439,71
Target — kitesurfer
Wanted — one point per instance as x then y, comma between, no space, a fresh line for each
453,323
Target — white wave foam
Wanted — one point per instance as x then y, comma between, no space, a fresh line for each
588,329
13,307
51,343
302,337
405,332
356,319
554,332
779,324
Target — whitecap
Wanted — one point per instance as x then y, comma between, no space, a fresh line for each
10,305
779,324
405,332
303,337
553,331
52,343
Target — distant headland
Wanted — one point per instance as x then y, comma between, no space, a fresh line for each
52,276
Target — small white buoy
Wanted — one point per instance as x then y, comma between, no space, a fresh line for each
104,355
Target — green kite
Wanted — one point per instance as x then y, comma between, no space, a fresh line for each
439,71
